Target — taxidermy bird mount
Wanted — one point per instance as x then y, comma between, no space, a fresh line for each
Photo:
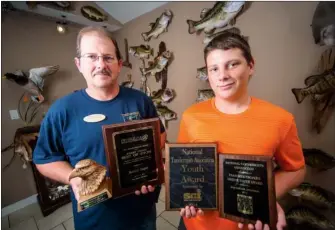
33,81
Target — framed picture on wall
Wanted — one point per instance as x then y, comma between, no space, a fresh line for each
51,194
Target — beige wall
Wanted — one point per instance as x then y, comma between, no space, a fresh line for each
29,42
279,35
282,44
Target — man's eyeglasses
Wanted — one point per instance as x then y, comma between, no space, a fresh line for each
94,57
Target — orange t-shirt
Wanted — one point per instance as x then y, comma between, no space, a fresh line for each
263,129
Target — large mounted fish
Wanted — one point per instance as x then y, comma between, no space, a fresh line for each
323,24
159,26
57,5
317,195
162,75
141,51
318,159
93,14
219,16
307,217
158,65
234,30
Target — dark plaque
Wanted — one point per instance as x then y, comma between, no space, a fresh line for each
133,155
247,191
191,176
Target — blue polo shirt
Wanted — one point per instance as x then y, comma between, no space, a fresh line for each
64,132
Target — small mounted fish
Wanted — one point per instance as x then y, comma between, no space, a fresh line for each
220,15
129,83
315,194
159,26
163,95
322,83
142,51
158,65
202,73
165,114
205,94
318,159
93,14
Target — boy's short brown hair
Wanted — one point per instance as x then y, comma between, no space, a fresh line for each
228,41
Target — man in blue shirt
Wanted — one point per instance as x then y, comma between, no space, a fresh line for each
65,132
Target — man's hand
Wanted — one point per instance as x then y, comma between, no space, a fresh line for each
75,184
281,223
190,211
145,190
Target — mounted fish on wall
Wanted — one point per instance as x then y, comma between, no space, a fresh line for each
321,88
235,30
318,159
204,94
93,14
141,51
129,83
159,26
323,24
158,65
219,16
63,5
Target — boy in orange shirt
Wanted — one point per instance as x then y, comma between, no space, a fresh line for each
239,124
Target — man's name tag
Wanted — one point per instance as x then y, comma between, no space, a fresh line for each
94,118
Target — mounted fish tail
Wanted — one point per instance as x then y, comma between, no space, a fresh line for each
220,15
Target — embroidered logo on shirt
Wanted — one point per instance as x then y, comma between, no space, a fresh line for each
131,116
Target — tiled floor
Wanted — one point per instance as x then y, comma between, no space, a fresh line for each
31,218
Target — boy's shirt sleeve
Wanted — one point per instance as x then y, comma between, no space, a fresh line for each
289,155
183,136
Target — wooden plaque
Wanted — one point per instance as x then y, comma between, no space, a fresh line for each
247,189
133,155
191,176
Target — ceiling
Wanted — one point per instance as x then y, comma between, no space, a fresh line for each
126,11
118,13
